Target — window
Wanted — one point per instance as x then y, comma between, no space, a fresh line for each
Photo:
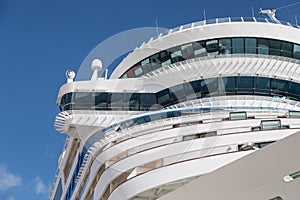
193,90
155,61
82,101
199,49
275,46
262,46
138,71
210,87
131,101
146,66
262,85
187,51
293,90
227,85
238,45
116,101
165,58
176,55
177,93
147,100
296,51
212,47
237,115
100,101
163,97
250,45
278,87
245,85
286,49
66,101
225,46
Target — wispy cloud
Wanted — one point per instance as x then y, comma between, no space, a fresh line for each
40,187
7,179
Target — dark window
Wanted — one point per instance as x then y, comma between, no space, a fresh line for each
262,85
146,66
245,85
225,46
165,58
177,93
100,101
155,61
82,101
163,97
147,100
227,85
176,55
187,51
294,90
278,87
250,45
210,87
116,101
131,101
137,70
212,47
296,51
192,90
275,46
238,45
199,49
286,49
263,46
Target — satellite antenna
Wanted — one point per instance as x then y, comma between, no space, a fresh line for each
270,13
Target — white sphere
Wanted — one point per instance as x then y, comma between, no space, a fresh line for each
70,74
96,65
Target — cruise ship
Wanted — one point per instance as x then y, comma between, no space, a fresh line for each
208,110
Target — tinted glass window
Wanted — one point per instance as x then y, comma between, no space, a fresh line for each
294,90
275,46
199,49
116,101
278,86
82,100
165,58
212,47
155,61
210,87
286,49
225,46
262,85
147,100
177,93
237,45
228,85
163,97
245,85
146,66
176,55
262,46
187,51
296,51
100,101
192,90
250,45
131,101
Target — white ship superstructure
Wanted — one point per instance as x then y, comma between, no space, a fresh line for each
202,99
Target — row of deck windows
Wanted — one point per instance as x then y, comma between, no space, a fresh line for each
233,85
214,47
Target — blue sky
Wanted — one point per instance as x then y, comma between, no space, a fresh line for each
40,40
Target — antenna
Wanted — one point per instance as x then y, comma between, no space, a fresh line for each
156,27
204,15
270,13
296,19
252,11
